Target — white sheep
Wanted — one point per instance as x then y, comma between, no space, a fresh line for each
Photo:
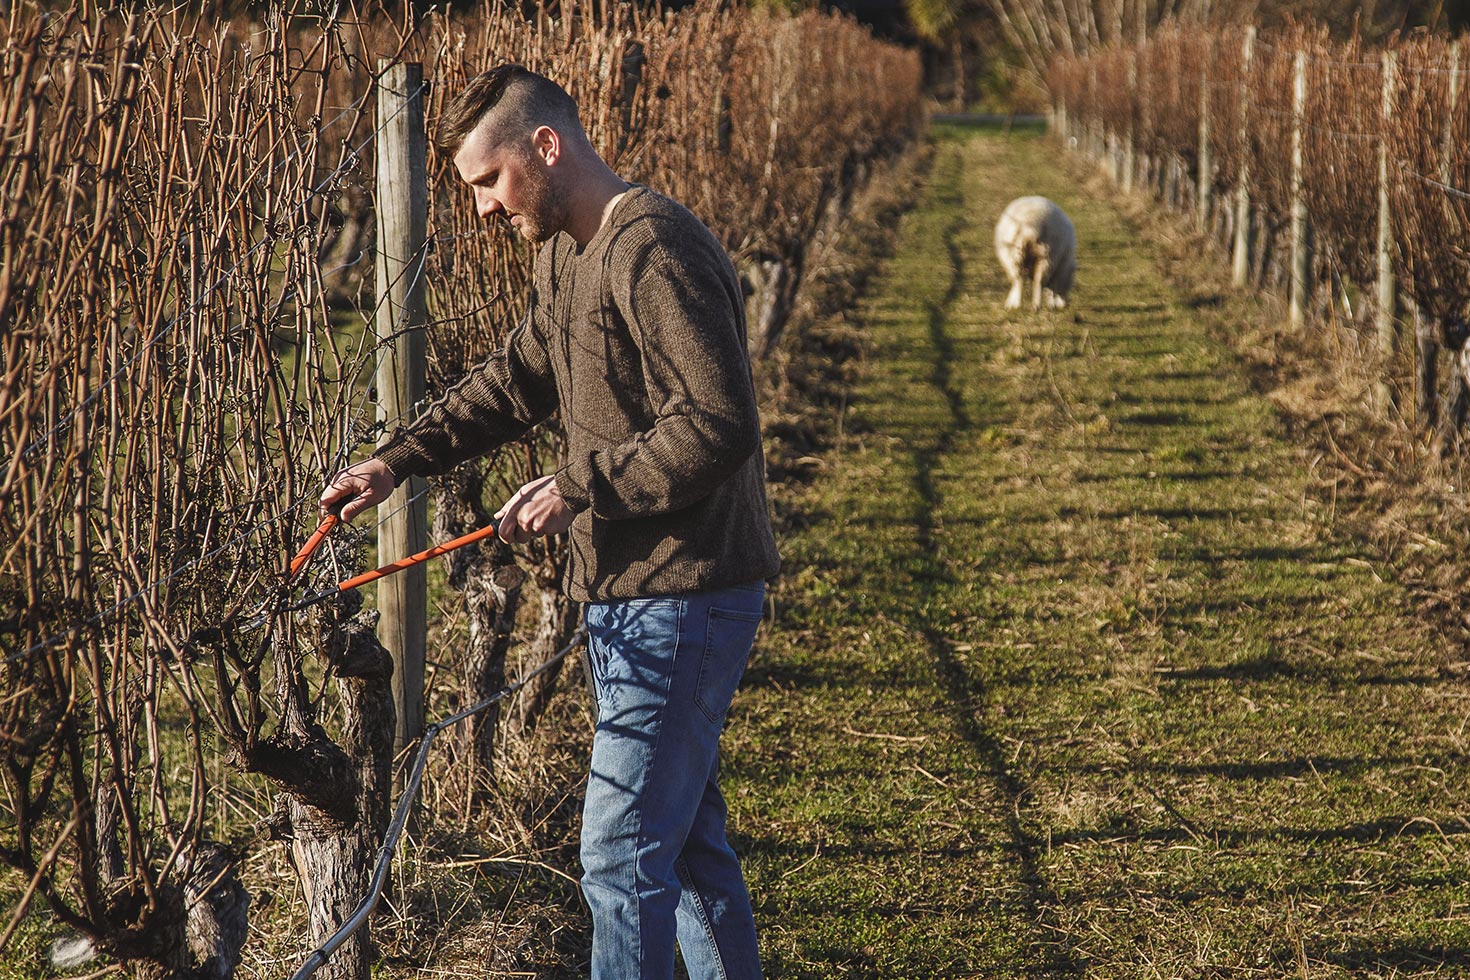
1036,243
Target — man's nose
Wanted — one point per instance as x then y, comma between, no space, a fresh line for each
485,203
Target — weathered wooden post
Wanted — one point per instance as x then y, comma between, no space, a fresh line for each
401,199
1446,127
1386,322
1094,125
1300,285
1128,137
1173,191
1203,179
1240,265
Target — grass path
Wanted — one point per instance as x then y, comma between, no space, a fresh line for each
1070,674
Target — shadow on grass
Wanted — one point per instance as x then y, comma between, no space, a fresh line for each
1268,667
1233,838
788,853
1186,476
1156,401
1302,768
1036,894
1169,374
1129,309
1156,418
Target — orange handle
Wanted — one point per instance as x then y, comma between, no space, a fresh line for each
422,556
317,537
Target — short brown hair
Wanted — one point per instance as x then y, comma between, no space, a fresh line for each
524,99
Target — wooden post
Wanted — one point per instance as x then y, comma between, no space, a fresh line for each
1386,322
1098,134
1299,283
1174,175
1128,163
1204,183
1449,114
1240,264
401,200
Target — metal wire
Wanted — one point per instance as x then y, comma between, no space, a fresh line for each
1315,59
1446,188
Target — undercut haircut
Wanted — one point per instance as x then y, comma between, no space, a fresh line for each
521,101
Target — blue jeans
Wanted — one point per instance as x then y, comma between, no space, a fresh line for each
656,865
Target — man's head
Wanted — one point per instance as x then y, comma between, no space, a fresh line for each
513,102
507,131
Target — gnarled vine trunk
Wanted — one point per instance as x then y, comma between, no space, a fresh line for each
487,577
334,806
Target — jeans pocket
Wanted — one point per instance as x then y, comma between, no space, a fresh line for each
727,641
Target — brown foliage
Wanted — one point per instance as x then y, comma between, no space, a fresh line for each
1344,126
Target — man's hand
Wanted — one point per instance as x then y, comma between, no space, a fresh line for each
360,486
535,510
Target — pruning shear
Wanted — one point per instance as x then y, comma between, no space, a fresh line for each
329,521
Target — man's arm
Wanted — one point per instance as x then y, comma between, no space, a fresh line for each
499,400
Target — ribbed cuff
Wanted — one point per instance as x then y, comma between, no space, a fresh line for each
573,490
398,460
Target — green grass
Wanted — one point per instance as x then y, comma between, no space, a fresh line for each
1070,674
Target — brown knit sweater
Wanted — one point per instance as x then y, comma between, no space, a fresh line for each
639,341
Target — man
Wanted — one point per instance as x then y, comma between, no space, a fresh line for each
636,335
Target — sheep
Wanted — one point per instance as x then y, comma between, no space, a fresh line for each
1036,242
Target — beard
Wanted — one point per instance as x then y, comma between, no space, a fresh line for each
543,212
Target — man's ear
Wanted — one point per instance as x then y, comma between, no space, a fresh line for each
546,144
